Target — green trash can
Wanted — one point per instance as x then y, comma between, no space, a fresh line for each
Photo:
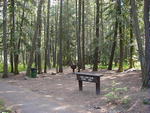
33,73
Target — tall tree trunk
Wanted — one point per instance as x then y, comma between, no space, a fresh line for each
102,39
49,52
121,57
52,44
47,37
12,23
5,73
90,48
131,63
76,7
23,59
96,40
56,38
79,37
110,64
34,40
146,77
60,39
39,63
69,55
13,51
131,45
113,47
102,22
83,37
137,33
36,58
11,59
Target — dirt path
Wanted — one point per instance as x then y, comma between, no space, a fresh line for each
120,92
27,101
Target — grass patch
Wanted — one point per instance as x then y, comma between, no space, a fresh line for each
102,67
2,104
3,108
125,66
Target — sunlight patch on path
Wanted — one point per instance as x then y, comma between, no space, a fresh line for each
61,107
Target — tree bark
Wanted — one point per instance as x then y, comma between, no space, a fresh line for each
79,36
5,73
121,57
76,7
83,37
96,40
113,47
47,37
39,63
60,39
56,38
131,46
146,77
12,35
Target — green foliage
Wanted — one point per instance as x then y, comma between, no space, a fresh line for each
115,95
21,68
120,89
126,66
1,67
102,67
111,96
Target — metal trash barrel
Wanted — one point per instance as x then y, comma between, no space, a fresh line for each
33,73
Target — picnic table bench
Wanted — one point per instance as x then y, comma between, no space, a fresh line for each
89,77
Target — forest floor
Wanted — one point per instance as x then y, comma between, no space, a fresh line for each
120,92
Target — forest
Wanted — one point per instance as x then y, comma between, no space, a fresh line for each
110,35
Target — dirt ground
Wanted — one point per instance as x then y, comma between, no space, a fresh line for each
120,92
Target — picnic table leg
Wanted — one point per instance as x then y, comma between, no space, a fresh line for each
98,86
80,85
